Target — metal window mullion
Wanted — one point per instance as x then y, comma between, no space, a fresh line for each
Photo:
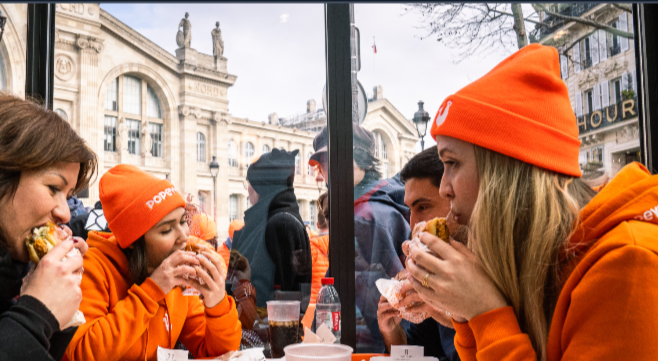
40,64
341,173
646,55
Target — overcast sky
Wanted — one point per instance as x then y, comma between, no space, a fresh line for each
277,52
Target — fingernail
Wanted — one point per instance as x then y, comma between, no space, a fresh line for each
75,240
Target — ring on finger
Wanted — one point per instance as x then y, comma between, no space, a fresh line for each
424,283
448,314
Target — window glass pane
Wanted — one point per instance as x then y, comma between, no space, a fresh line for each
152,104
201,147
112,95
133,135
147,92
110,134
232,161
62,114
132,95
156,139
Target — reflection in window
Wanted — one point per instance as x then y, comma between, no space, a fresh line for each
232,161
132,95
112,96
133,135
156,139
110,139
62,114
152,104
266,148
233,207
200,147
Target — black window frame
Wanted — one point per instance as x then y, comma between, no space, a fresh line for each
338,17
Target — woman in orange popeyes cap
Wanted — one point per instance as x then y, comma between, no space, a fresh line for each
552,271
131,299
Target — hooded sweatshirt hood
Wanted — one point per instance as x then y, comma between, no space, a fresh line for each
631,195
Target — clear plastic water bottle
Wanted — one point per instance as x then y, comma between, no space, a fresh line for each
327,307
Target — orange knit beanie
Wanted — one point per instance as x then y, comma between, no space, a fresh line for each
203,227
521,109
134,201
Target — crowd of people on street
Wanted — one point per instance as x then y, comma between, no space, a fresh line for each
538,265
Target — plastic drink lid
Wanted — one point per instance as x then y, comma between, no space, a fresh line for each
327,281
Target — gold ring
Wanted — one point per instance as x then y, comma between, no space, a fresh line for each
425,281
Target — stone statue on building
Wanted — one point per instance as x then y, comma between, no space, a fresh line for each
217,42
146,141
184,37
122,132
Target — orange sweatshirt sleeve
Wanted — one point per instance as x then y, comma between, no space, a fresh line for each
108,334
611,316
211,332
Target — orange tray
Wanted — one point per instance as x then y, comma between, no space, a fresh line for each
365,356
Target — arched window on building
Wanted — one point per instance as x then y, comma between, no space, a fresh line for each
266,148
200,147
298,164
311,169
233,207
232,161
134,90
249,151
3,79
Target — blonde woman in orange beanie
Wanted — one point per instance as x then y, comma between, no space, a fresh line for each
131,296
552,271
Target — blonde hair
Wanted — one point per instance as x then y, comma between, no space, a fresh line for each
523,217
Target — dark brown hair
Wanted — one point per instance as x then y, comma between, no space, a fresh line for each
137,263
33,138
323,211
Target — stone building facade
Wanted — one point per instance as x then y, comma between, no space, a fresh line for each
168,113
600,74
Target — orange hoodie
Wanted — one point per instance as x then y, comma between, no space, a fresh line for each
608,306
129,322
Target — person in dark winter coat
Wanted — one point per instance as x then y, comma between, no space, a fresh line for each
274,238
43,161
92,221
381,225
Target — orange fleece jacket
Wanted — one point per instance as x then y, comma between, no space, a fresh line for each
320,259
608,306
129,322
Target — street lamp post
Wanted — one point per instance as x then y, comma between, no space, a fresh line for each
421,117
214,169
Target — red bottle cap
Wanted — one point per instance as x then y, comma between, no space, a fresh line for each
327,281
277,287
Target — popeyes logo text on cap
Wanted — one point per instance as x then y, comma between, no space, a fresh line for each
158,198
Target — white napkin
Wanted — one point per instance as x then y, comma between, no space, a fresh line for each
252,354
323,335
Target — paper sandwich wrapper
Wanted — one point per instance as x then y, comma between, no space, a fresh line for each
390,288
323,335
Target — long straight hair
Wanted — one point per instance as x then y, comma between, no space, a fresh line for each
522,220
137,261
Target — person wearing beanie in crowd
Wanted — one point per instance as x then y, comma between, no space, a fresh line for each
132,300
273,239
205,228
381,224
552,271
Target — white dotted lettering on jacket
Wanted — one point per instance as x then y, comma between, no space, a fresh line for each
158,198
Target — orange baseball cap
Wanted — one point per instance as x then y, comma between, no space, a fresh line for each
134,201
203,227
521,108
235,225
